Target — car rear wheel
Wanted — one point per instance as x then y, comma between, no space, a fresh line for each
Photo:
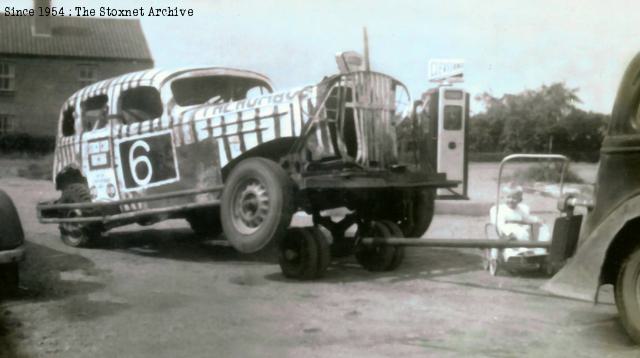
257,204
627,293
412,210
77,234
418,217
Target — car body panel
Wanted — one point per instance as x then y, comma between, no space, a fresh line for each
201,139
339,134
616,200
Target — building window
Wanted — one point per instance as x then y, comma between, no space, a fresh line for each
6,124
7,76
88,75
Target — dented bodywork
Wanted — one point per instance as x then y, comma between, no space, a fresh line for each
155,143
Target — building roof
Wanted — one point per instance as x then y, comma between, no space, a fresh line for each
86,37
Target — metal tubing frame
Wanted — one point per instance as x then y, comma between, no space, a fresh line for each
512,157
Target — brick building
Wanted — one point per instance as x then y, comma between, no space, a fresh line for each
43,60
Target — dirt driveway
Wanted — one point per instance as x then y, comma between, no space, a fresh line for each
158,292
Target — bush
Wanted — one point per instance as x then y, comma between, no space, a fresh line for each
38,168
486,156
545,173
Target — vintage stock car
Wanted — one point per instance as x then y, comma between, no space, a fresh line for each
220,148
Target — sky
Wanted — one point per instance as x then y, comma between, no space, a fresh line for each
507,46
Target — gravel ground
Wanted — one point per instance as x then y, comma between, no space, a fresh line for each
159,292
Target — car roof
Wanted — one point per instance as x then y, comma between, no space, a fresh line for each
157,77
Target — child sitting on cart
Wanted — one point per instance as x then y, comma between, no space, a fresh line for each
514,221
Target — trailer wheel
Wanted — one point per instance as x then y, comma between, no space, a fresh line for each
77,234
205,222
304,253
378,257
627,293
398,256
257,204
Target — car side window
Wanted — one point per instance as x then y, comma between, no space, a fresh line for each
140,104
192,91
257,91
94,112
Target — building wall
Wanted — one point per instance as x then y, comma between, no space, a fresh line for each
42,84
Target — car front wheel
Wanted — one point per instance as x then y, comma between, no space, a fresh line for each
257,204
627,293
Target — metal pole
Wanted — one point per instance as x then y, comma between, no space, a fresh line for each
455,243
367,67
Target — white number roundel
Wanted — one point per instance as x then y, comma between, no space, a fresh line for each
140,160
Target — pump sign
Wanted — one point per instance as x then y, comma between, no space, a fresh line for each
449,70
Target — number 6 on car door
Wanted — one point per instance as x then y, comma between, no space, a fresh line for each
147,160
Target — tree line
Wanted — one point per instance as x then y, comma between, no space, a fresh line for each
545,120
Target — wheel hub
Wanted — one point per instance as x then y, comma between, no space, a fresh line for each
251,207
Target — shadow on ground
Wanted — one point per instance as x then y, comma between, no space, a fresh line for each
179,244
9,329
64,281
428,264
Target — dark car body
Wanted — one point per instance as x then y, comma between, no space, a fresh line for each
11,244
609,229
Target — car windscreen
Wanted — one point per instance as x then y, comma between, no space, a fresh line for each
198,90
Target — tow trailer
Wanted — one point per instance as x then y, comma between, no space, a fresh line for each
379,245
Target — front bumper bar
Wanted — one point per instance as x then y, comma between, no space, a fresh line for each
52,212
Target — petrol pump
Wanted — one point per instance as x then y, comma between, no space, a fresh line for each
443,113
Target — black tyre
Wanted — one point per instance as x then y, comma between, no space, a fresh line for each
322,237
628,296
205,222
412,210
257,204
76,234
9,279
378,257
304,253
398,256
418,216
